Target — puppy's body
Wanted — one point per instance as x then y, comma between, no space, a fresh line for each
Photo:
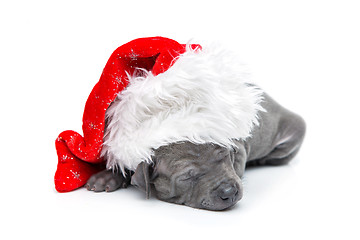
209,176
277,138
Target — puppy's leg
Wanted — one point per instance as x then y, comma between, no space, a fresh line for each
108,181
287,142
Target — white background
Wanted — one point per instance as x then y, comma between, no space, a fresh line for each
306,54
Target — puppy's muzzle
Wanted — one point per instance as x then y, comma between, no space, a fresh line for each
226,195
228,192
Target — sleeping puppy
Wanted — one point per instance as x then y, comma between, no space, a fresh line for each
208,176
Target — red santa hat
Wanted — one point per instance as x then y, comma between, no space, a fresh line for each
152,92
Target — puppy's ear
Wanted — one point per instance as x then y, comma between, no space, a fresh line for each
141,178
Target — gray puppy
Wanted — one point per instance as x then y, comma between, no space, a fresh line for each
208,176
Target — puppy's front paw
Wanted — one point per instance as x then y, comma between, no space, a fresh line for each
108,181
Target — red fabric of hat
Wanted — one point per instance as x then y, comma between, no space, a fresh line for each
79,156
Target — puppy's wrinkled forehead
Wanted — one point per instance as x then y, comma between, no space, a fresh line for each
181,151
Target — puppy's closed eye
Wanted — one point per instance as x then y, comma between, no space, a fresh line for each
191,174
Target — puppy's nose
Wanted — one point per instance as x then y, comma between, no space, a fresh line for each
228,192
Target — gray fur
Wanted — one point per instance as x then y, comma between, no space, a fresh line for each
208,176
108,181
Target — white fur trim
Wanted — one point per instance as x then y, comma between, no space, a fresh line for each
205,97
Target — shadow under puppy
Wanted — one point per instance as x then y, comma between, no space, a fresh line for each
187,135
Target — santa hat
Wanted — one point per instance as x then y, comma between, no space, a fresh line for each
152,92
